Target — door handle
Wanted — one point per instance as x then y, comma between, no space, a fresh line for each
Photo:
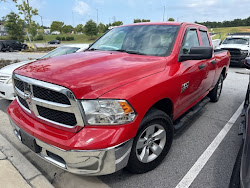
202,66
213,62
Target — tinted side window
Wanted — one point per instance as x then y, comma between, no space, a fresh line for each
191,40
204,38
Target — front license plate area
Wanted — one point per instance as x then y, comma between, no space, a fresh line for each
30,142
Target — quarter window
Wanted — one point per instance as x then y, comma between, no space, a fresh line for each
204,38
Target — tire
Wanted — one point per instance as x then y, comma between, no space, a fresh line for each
25,47
11,49
215,93
148,151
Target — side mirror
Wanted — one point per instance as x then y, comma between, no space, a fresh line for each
197,53
247,62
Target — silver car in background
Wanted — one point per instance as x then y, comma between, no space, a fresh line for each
6,87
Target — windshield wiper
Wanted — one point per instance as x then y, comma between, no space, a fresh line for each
91,49
131,52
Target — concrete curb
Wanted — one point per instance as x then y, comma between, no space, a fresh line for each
28,171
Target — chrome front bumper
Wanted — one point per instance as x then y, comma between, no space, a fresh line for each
86,162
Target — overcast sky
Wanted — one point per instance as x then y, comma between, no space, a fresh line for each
74,12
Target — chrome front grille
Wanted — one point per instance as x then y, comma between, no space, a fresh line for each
233,51
50,95
3,79
50,103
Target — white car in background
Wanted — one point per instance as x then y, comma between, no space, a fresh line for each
238,46
6,87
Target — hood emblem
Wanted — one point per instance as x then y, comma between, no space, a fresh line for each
27,93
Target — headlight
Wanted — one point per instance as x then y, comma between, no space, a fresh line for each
108,112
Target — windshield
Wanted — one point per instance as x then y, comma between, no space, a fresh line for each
60,51
236,41
155,40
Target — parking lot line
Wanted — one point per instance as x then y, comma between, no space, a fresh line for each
201,162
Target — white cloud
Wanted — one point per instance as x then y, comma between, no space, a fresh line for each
81,7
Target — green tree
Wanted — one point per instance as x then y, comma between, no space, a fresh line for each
56,26
12,0
28,12
137,20
101,28
90,28
32,29
67,28
171,19
2,20
79,28
117,23
14,26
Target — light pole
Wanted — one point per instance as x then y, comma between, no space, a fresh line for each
163,13
179,18
97,16
41,19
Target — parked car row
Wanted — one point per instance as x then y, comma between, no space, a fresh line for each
12,45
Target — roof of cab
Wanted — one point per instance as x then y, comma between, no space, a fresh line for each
163,23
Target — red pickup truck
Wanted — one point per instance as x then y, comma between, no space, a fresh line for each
119,103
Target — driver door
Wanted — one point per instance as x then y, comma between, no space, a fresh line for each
192,72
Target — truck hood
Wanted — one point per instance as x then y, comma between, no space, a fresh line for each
238,46
90,74
8,70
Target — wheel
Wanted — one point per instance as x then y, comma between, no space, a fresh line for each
26,47
11,49
215,93
152,142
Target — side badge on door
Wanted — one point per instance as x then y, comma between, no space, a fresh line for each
184,86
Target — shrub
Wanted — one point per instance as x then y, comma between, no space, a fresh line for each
39,37
63,38
68,38
72,38
58,38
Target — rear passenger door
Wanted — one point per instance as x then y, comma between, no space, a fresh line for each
210,63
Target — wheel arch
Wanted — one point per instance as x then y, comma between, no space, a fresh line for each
224,72
165,105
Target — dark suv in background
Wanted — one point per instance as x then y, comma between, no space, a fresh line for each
11,45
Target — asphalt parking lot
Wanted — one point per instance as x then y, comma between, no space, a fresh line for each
188,146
